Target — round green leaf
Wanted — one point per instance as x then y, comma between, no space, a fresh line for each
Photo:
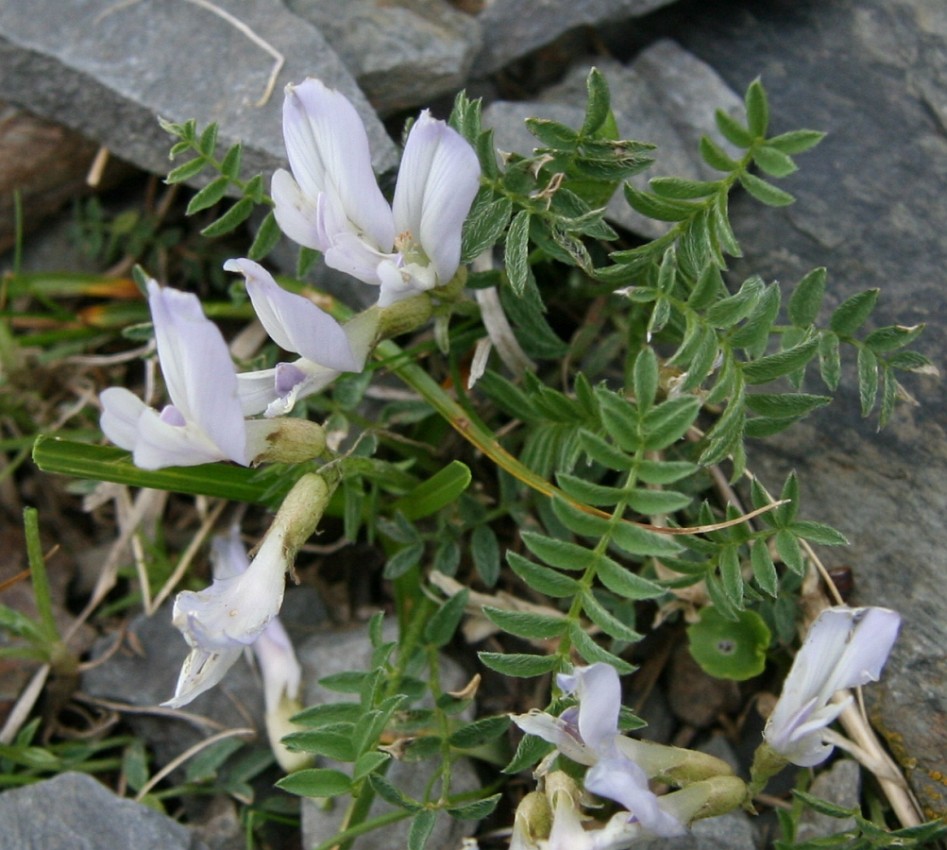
729,649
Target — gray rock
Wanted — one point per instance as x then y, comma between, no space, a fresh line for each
352,651
512,28
403,54
732,831
841,785
871,208
666,97
73,811
109,69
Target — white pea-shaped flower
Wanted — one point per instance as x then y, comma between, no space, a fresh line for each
331,201
844,648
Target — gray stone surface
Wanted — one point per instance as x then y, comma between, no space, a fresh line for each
666,96
512,28
73,811
403,54
841,785
109,69
871,207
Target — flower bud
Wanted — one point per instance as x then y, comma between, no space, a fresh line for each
285,440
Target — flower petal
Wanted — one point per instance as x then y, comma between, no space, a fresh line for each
620,779
437,181
282,673
233,611
197,369
556,731
598,690
328,152
121,411
296,213
200,672
160,443
873,633
293,322
355,257
844,648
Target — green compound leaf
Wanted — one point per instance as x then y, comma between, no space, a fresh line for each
421,828
231,219
186,171
209,195
516,254
267,236
715,156
441,627
542,578
480,732
599,102
519,665
485,224
476,810
526,624
852,313
316,782
757,109
806,298
729,649
765,193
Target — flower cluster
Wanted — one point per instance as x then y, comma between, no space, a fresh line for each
330,202
620,767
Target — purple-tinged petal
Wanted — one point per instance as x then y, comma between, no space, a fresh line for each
437,182
256,390
159,443
844,648
228,555
197,369
598,690
621,780
293,322
328,152
558,731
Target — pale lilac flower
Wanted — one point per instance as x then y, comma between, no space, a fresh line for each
220,621
588,734
234,613
327,348
205,420
845,648
332,203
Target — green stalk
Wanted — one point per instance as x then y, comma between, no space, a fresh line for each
41,589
